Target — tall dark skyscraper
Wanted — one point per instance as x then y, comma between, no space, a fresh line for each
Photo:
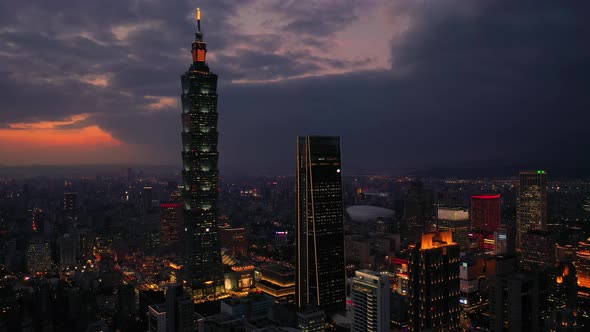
434,283
320,270
531,207
202,257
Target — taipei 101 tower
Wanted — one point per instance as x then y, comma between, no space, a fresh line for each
202,271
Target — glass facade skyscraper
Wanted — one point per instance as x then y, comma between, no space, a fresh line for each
202,268
320,270
531,207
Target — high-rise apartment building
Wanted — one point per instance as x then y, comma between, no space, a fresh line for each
485,212
38,255
371,302
320,270
202,256
70,208
434,283
531,203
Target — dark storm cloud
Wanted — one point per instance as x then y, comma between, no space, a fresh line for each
485,81
320,18
500,82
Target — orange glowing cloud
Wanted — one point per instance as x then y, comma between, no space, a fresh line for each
97,80
57,134
161,102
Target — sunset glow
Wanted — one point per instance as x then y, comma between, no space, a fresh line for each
57,134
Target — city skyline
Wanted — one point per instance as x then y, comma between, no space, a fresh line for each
366,63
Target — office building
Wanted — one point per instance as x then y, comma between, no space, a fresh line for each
179,310
71,208
531,203
504,241
515,302
434,283
485,212
68,251
171,224
562,287
202,257
537,250
320,270
311,319
70,202
252,307
472,273
125,304
565,253
277,281
157,318
147,195
455,220
370,302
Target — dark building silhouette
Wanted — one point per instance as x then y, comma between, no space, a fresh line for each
537,250
179,310
320,270
147,196
515,302
234,239
202,255
434,283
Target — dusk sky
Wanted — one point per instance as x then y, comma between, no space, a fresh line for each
403,82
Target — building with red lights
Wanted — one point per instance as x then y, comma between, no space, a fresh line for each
485,212
171,221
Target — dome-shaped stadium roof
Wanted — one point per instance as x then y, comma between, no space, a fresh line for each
365,213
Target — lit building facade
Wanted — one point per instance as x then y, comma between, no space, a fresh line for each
371,302
583,264
311,319
320,270
278,281
38,256
531,203
434,283
202,256
485,212
455,220
171,222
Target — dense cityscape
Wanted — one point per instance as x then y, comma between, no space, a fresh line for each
321,248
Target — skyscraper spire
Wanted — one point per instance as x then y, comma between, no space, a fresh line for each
198,19
199,47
